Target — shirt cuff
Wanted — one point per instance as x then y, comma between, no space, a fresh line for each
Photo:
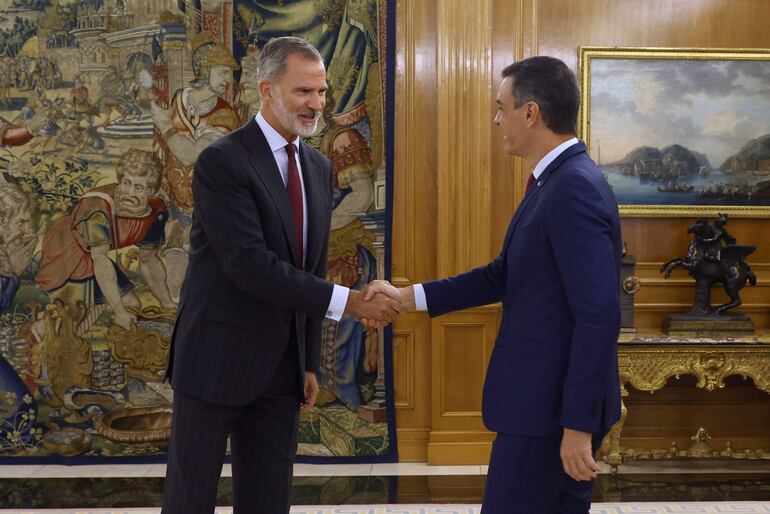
338,302
420,302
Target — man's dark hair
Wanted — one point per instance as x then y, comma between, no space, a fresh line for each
550,84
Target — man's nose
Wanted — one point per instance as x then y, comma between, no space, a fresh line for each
317,102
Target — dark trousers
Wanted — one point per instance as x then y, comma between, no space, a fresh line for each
526,477
263,444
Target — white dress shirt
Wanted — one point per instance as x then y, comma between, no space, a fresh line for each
277,145
420,302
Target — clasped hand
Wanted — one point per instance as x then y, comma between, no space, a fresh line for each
380,303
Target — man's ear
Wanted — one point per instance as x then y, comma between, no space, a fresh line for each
264,89
533,113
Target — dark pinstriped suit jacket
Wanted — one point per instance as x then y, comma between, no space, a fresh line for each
241,292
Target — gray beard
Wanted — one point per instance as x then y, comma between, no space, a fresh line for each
291,123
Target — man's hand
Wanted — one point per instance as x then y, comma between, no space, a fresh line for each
378,311
576,455
405,296
311,391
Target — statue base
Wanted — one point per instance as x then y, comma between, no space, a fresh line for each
730,324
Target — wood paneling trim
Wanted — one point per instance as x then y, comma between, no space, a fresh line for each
464,130
403,368
670,282
414,212
401,281
654,267
460,447
403,260
461,347
527,22
679,307
526,38
412,375
461,367
413,444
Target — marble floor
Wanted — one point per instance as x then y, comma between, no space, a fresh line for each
394,469
141,486
596,508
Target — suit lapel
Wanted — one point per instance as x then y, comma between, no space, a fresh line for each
313,188
539,184
263,162
533,191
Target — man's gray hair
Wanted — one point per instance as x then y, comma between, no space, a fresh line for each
275,54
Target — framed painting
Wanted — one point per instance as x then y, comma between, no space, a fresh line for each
679,132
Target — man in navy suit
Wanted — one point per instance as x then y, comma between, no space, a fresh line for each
247,339
552,388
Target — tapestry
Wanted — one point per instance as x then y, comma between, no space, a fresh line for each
104,107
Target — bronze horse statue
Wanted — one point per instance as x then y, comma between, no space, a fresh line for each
709,263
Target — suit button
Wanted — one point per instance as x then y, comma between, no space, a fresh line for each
288,321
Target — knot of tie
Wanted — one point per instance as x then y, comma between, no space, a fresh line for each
530,180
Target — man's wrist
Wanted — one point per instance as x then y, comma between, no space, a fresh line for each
407,297
338,304
419,298
353,298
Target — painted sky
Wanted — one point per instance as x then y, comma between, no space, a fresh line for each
713,107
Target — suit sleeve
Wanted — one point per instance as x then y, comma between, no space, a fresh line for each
230,217
479,286
314,324
580,227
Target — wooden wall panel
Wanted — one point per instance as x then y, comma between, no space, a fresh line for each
412,387
404,370
416,149
414,214
456,189
462,344
461,368
464,75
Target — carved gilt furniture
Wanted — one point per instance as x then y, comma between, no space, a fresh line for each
648,360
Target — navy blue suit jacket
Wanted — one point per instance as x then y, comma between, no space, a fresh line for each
554,363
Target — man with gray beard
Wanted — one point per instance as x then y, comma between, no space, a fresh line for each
246,344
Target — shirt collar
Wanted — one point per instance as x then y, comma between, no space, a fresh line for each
551,156
275,140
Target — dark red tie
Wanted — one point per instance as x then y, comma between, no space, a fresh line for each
294,187
530,181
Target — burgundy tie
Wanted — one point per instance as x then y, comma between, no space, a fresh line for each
294,187
530,181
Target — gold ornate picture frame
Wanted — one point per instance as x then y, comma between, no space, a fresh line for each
679,132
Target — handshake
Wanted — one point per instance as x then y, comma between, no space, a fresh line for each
380,303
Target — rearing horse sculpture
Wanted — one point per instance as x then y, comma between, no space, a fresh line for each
709,263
